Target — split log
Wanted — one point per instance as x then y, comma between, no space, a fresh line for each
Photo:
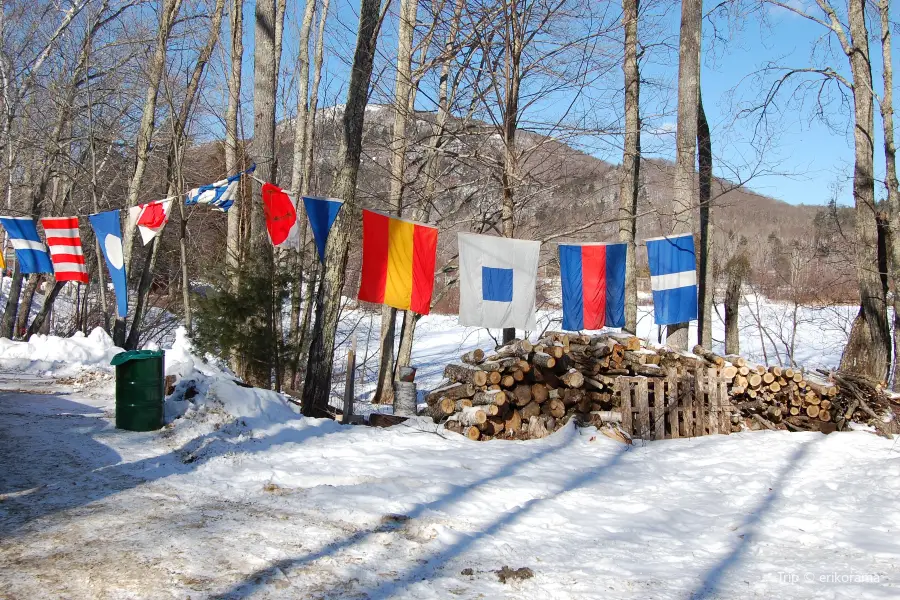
710,357
539,393
542,359
497,397
473,357
453,391
627,340
539,427
472,415
522,394
513,422
532,409
573,379
465,374
516,348
736,360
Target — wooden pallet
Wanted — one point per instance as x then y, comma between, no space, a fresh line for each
691,404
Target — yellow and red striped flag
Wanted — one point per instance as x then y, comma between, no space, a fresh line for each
398,262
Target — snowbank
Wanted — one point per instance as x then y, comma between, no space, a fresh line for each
54,356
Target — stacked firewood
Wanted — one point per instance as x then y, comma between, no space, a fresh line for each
526,390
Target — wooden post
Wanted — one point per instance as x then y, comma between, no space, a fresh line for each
672,409
643,407
659,411
349,392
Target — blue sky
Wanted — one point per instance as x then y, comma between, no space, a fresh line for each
804,160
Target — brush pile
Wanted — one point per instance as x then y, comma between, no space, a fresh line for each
525,390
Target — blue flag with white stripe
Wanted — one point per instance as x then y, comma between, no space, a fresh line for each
220,194
30,250
673,278
321,213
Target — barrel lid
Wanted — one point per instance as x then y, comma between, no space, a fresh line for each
124,357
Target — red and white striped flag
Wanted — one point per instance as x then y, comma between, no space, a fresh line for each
64,242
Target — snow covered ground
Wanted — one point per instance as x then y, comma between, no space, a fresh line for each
241,497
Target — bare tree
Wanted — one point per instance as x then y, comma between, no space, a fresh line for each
684,200
384,390
631,159
321,356
232,161
706,282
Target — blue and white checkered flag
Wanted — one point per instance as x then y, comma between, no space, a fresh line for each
219,194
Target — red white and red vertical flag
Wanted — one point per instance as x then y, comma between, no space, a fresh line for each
64,242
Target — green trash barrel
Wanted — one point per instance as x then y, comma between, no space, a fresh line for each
140,389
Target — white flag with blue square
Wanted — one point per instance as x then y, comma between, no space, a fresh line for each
497,281
673,278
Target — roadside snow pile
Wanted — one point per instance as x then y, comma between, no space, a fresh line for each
207,399
54,356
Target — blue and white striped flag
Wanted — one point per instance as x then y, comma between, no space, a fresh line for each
673,278
30,250
219,194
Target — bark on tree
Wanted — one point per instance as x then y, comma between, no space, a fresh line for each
232,162
631,160
868,349
305,341
891,182
319,367
706,284
27,299
263,151
7,325
736,268
298,258
384,389
432,167
685,197
41,317
167,16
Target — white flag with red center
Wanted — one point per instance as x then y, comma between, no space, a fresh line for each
149,218
64,242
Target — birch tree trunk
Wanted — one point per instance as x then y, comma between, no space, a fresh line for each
684,199
891,183
305,340
7,326
631,160
869,346
297,186
319,367
168,13
706,285
384,389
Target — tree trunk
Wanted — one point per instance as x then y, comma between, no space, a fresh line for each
891,182
631,160
736,269
706,285
684,199
7,326
44,312
432,169
868,349
259,369
384,389
298,258
304,342
232,161
319,369
25,309
143,293
157,65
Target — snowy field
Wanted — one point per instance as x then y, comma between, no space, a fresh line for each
241,497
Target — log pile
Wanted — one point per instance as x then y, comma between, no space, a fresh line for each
525,390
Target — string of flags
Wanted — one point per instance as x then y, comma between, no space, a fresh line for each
497,276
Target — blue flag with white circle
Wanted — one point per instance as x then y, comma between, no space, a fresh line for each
108,229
